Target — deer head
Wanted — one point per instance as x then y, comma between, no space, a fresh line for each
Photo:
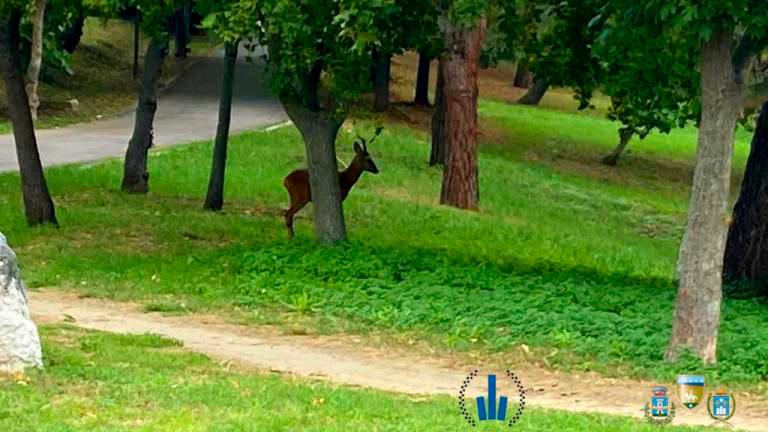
362,155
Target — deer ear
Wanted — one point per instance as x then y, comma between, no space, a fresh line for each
358,149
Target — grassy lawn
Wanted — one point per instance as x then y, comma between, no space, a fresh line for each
103,382
102,81
571,258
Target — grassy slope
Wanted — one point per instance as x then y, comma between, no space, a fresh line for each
97,381
570,258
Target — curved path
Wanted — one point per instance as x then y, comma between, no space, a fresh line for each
187,111
348,360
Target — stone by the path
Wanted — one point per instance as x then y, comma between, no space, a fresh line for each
19,341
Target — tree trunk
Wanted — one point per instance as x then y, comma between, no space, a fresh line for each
460,185
700,264
135,175
625,135
535,93
746,251
70,37
32,77
38,205
181,20
381,82
214,200
319,130
422,80
523,77
438,149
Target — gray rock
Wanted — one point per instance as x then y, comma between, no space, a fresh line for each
19,341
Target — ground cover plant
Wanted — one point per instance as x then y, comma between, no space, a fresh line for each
573,261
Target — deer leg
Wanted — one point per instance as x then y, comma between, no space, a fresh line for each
295,207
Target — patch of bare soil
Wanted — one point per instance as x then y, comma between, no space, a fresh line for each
348,360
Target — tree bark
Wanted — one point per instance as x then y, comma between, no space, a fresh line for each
38,205
32,77
625,135
214,199
422,80
697,310
181,21
70,37
438,149
319,130
381,82
135,175
746,251
534,95
460,184
523,77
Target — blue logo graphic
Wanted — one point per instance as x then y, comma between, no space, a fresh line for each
492,414
492,406
722,406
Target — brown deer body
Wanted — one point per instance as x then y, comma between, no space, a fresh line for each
297,182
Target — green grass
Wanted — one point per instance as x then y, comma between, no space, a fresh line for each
571,258
104,382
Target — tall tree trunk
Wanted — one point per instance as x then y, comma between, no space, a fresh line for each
32,77
534,95
438,148
381,81
625,135
214,199
135,175
422,80
523,76
319,130
460,185
70,37
746,251
700,264
38,205
181,27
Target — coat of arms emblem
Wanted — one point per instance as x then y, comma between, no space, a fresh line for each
690,390
659,409
721,405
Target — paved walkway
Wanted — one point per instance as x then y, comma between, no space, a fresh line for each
187,111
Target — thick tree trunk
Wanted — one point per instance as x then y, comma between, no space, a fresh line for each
523,77
438,148
319,130
32,78
70,37
422,80
38,205
460,184
746,251
697,310
625,135
214,199
534,94
135,175
381,82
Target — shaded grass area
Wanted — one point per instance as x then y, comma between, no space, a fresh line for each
577,266
107,382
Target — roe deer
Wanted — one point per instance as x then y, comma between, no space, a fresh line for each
297,182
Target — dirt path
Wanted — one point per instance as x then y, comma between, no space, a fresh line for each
347,361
